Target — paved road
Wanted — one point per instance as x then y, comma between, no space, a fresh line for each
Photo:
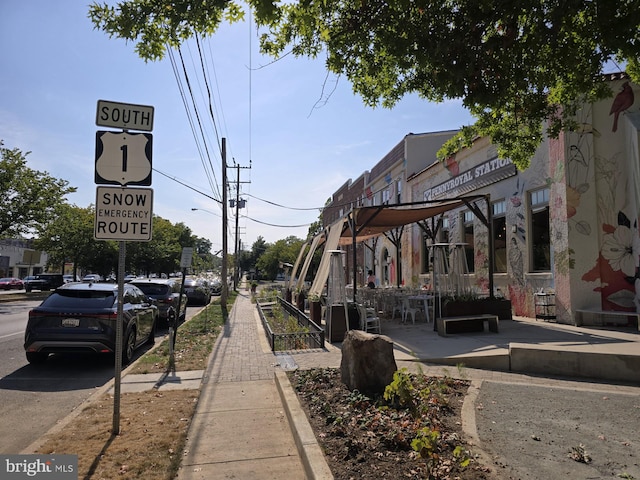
530,429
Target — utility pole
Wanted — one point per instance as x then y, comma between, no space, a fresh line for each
225,284
236,270
235,255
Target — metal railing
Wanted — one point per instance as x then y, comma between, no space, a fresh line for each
312,337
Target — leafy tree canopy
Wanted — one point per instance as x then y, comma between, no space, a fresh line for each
69,238
282,251
515,64
30,199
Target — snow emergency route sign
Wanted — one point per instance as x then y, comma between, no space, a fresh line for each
123,214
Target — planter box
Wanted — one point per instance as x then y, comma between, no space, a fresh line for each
315,312
300,301
458,308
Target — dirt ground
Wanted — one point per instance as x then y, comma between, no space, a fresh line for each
153,428
375,438
527,432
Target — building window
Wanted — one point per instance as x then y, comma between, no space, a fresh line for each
386,196
499,237
398,191
426,253
467,239
444,230
540,245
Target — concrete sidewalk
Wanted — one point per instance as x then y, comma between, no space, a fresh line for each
240,428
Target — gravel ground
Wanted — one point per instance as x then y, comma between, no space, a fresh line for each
541,432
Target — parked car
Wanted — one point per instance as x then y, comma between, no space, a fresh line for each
43,281
69,278
215,286
81,317
9,283
92,277
197,291
167,293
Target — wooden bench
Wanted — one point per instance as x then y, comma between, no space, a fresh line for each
466,324
601,318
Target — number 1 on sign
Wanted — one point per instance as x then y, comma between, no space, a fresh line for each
124,157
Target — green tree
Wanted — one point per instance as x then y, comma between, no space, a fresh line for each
163,252
203,259
516,65
285,250
30,198
316,227
69,238
101,258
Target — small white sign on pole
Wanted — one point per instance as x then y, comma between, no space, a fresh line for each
123,214
187,256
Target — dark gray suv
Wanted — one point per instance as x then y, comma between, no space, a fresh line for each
44,281
82,317
167,293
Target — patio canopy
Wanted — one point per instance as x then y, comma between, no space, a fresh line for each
364,223
369,222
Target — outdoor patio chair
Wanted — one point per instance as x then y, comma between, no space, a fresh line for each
369,321
398,306
409,309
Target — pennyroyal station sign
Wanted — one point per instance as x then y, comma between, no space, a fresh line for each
486,173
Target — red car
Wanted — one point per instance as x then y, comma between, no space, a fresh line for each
8,283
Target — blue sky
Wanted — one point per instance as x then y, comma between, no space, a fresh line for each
301,144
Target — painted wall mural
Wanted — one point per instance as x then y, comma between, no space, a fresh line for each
615,271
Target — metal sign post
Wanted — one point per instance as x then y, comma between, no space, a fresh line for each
119,334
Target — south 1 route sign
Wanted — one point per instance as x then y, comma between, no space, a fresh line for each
123,158
123,214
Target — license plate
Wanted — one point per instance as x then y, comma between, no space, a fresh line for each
70,322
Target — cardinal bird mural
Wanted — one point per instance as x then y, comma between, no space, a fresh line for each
452,166
622,102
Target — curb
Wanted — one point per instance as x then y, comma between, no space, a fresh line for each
18,297
311,455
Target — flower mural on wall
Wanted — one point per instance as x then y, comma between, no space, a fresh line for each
621,248
617,265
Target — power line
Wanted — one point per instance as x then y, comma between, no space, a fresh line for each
274,225
188,186
282,206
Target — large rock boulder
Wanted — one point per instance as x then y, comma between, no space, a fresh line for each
367,362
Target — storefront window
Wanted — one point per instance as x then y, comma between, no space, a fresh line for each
539,237
444,230
426,253
467,225
499,237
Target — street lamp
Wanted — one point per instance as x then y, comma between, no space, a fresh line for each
193,209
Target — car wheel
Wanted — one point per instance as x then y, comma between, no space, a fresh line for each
128,347
36,358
